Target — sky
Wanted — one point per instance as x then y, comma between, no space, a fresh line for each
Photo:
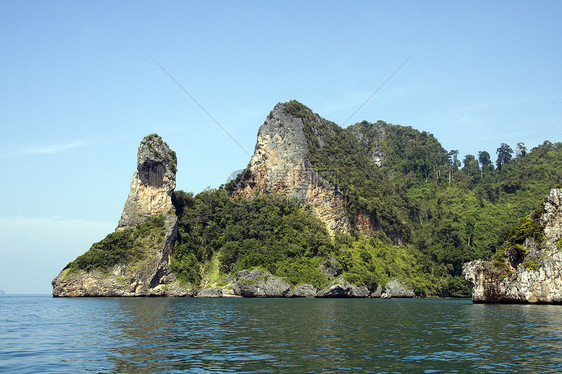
83,82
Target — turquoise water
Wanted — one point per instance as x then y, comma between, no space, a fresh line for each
167,335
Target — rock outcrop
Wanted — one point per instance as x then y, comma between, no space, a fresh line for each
211,292
395,288
530,272
377,293
150,197
257,283
246,283
305,290
280,164
340,288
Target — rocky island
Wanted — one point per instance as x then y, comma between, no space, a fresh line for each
372,210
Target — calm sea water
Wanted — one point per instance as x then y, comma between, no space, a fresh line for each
168,335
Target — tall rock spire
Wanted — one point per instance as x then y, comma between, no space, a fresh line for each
153,183
128,262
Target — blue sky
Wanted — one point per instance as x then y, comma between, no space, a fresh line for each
80,90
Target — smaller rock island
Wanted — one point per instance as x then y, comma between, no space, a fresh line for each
528,267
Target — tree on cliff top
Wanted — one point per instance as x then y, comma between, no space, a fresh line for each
504,155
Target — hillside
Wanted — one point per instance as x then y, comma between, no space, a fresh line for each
321,205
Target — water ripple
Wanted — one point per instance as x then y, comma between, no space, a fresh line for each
41,334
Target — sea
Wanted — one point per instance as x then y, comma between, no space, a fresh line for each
41,334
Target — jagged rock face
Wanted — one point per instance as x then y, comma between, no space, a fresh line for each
341,288
212,292
364,224
305,290
394,288
256,283
280,165
332,268
523,283
153,183
150,196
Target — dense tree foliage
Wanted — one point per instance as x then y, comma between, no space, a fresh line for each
219,235
504,155
268,232
341,159
121,247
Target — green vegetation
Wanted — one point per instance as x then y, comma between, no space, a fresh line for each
531,265
280,236
515,238
429,214
270,232
527,228
173,159
337,155
498,260
127,246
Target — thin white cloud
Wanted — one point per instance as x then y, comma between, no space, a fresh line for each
51,148
25,221
55,148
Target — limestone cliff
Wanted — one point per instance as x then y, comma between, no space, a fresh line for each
133,261
527,272
153,182
280,164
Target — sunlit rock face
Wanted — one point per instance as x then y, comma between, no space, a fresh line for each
534,278
152,184
280,164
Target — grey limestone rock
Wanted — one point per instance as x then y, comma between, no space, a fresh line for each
341,288
394,288
305,290
377,292
153,183
372,143
257,283
331,268
212,292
